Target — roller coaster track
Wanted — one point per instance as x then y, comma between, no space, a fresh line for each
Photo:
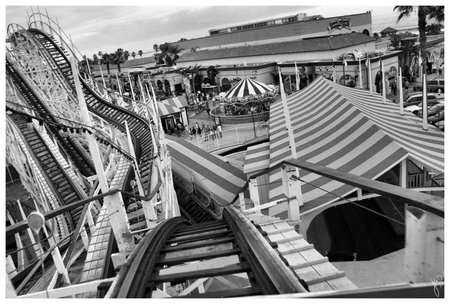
178,253
59,183
113,113
81,159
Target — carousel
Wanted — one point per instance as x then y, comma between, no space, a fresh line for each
248,101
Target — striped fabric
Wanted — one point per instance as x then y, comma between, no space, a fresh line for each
257,158
247,87
349,130
176,102
165,109
172,105
223,180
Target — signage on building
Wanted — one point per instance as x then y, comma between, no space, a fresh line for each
339,23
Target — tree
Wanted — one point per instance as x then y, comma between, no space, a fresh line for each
434,29
192,71
119,57
406,46
95,60
212,73
106,59
423,13
140,53
156,48
133,54
83,65
162,57
175,50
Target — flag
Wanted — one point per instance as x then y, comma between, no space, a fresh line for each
367,62
344,61
297,78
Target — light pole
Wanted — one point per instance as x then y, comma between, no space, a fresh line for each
253,120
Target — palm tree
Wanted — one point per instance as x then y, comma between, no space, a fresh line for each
423,12
140,53
119,57
164,48
191,71
175,50
133,54
95,59
106,59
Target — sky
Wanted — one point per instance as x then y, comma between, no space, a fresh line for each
94,27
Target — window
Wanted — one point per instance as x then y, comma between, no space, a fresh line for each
249,26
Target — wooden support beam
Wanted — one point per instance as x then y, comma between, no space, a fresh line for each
430,203
18,227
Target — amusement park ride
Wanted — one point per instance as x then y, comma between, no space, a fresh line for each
106,217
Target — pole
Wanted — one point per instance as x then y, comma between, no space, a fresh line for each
360,74
401,93
118,84
424,103
101,73
287,118
253,119
383,83
131,86
343,68
370,77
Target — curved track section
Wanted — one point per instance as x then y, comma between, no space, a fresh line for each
81,159
117,115
186,256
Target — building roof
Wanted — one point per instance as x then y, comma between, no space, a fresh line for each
388,30
345,129
299,46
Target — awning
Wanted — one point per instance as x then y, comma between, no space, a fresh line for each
171,105
178,102
247,87
165,109
349,130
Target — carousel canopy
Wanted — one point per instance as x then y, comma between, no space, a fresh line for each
247,87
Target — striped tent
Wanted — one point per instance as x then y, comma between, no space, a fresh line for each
223,180
171,105
247,87
349,130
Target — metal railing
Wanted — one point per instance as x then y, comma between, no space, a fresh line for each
229,137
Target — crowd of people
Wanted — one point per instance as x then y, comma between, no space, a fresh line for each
205,132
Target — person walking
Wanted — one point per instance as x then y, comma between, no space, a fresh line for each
206,132
214,132
219,131
193,132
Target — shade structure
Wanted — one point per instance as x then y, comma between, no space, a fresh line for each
247,87
223,180
172,105
345,129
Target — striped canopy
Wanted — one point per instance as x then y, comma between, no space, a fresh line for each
345,129
247,87
222,179
171,105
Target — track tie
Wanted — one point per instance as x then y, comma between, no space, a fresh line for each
176,278
196,257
